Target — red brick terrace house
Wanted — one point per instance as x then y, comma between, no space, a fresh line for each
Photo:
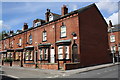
66,41
114,40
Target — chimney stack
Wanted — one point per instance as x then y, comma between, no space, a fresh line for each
25,26
110,23
64,10
47,15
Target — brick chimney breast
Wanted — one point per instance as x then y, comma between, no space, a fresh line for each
47,15
110,23
64,10
25,26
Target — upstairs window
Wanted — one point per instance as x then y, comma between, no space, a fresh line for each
112,38
44,36
50,17
63,31
20,42
30,39
11,44
37,24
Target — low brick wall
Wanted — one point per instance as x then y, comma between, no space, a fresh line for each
6,63
68,66
29,65
16,63
48,66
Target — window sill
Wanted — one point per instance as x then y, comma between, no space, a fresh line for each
43,60
63,37
44,41
29,60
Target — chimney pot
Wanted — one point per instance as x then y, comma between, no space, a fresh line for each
64,10
25,26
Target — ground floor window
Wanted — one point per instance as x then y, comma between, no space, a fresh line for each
9,55
17,56
60,52
4,56
43,54
67,52
63,51
29,55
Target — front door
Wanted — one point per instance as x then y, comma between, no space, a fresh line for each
52,57
75,53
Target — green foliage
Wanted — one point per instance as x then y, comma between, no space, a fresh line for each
8,60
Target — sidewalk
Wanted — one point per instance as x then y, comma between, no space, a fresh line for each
22,72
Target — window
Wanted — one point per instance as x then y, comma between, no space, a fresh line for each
63,31
112,38
41,54
5,45
113,49
20,42
50,17
45,54
30,39
37,24
60,52
11,44
67,52
44,36
29,55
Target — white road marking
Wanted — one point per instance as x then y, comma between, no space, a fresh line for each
12,76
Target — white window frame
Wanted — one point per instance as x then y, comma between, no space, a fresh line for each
44,36
113,47
30,39
60,52
112,38
45,53
37,24
50,17
63,31
67,52
41,54
20,42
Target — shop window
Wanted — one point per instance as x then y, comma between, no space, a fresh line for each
112,38
63,31
60,52
44,36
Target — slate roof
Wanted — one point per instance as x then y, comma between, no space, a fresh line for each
66,15
115,29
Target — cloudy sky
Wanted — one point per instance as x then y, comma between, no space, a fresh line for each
15,14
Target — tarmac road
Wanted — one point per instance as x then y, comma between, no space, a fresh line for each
109,72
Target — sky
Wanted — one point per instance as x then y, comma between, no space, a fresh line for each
13,14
